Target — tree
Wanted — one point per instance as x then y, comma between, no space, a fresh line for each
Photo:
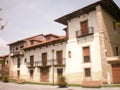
2,23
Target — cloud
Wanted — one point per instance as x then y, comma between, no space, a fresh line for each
4,49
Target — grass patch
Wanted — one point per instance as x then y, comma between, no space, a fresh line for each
111,85
74,85
91,86
12,80
38,83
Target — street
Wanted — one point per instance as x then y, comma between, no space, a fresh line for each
14,86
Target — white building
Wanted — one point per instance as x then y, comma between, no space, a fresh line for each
89,54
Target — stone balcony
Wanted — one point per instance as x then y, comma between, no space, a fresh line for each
114,59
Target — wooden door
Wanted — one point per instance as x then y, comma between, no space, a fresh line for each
59,57
31,61
59,72
84,27
116,73
31,74
44,59
44,74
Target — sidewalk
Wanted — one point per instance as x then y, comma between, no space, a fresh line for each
14,86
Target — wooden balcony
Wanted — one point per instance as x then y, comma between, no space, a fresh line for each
82,33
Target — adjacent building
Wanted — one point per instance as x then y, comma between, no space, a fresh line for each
41,58
4,66
89,52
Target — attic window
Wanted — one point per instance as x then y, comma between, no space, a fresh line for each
32,42
21,46
16,48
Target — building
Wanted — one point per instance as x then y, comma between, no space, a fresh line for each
88,53
37,59
1,63
4,66
93,40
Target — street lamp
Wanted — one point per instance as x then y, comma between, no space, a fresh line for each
53,65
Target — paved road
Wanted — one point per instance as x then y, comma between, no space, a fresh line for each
13,86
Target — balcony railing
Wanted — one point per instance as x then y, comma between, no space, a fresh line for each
82,33
21,52
30,65
49,62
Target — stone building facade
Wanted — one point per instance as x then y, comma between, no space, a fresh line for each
88,53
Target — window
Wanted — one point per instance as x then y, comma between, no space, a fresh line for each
87,72
84,27
59,72
18,73
25,60
21,47
69,54
59,57
32,42
44,58
18,62
86,54
31,61
117,51
16,48
114,25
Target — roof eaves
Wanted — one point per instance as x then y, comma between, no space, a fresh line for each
77,13
46,43
109,5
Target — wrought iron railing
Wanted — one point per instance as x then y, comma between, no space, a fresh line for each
81,33
49,62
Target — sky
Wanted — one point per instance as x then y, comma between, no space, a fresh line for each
25,18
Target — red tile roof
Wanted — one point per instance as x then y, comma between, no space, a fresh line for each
32,38
61,38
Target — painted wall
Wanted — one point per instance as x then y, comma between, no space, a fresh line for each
75,65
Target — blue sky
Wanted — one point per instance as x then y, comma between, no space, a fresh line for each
31,17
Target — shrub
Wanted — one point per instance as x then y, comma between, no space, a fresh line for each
62,81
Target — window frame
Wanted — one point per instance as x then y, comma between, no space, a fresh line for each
86,58
69,54
87,72
18,62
